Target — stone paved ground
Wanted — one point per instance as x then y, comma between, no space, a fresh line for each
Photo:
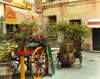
90,68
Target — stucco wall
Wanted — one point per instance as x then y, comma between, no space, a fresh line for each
1,10
80,10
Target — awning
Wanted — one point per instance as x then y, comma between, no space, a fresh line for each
94,23
15,15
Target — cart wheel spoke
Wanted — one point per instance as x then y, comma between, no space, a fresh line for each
34,65
41,54
39,62
37,70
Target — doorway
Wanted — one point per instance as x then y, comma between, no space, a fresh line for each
96,39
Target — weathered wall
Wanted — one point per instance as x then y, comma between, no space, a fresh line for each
80,10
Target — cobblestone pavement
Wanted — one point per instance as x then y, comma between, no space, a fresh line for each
90,68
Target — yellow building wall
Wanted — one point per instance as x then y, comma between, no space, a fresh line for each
52,11
80,10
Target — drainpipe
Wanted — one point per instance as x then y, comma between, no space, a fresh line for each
62,10
3,26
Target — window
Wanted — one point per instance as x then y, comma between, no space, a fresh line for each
51,0
75,21
11,27
52,19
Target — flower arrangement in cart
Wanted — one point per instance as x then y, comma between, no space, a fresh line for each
41,38
19,38
16,40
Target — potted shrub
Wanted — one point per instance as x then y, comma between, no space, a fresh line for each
66,52
73,32
6,53
80,33
73,37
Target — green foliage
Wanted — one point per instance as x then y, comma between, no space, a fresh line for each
22,34
17,39
72,32
62,27
0,34
79,31
7,50
51,30
25,31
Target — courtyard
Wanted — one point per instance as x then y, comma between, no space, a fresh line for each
90,68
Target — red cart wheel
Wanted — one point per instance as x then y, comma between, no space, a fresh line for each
39,63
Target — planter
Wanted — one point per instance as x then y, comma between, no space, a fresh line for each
67,59
66,53
22,53
67,46
5,72
77,54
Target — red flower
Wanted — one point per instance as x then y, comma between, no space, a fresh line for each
21,28
40,34
45,36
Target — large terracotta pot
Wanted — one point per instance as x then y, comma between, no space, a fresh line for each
66,53
5,72
67,46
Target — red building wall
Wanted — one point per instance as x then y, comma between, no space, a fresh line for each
38,5
9,0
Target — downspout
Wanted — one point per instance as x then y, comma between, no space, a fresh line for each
3,26
62,11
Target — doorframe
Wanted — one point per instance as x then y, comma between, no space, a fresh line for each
92,42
